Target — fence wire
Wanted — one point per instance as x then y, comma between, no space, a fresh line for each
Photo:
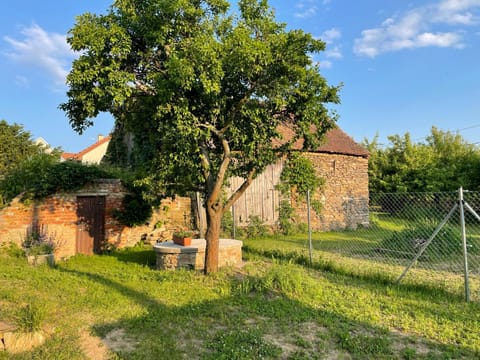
420,232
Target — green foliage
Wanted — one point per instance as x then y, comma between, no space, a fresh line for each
42,175
365,345
136,210
444,162
241,344
299,174
227,223
16,146
200,91
288,221
29,318
286,218
255,227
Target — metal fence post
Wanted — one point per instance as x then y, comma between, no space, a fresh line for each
233,222
464,243
310,248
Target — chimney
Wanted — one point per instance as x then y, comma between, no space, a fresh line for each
100,137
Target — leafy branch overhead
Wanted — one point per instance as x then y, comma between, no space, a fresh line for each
202,92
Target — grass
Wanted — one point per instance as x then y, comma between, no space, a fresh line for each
270,308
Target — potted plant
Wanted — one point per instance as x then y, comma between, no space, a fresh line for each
39,247
183,238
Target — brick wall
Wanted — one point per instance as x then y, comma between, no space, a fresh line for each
58,216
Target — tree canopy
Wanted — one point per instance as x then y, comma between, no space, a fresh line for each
443,162
16,145
202,91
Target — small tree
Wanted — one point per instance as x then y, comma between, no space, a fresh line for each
16,145
202,91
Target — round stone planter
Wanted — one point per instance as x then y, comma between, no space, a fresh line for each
41,259
171,256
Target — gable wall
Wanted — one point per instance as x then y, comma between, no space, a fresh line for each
345,194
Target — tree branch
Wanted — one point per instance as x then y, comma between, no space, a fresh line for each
239,192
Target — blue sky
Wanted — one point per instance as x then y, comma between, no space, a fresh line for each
405,65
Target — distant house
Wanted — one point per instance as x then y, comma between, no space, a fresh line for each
92,154
43,144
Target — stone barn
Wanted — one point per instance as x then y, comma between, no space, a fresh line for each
341,162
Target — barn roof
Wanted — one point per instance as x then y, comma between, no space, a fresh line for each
336,141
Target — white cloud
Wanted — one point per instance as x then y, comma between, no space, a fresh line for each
43,50
417,28
330,35
306,9
334,53
325,64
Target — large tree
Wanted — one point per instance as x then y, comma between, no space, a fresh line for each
203,91
16,145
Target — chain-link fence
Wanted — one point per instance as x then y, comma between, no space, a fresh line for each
429,236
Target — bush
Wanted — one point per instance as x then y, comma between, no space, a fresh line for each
256,227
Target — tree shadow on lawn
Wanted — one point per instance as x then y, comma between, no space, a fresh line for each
142,255
374,277
267,318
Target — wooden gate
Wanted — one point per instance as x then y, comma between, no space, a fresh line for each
90,224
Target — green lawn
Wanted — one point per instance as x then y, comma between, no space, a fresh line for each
269,308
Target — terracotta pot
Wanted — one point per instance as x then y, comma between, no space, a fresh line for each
181,240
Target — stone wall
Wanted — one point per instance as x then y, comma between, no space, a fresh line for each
57,214
344,197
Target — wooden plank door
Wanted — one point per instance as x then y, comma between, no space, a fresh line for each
90,224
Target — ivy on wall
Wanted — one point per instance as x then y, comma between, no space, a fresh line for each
298,176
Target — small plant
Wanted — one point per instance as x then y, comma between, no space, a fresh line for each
183,233
38,241
241,344
227,223
256,227
183,237
30,317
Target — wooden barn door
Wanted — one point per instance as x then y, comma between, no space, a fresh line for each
91,224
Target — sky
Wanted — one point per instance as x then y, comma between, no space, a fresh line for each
404,66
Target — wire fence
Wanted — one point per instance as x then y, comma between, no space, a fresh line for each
434,236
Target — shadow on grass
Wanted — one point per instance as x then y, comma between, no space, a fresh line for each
257,314
142,255
373,278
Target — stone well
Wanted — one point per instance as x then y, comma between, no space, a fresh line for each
171,256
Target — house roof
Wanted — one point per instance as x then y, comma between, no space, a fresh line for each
336,141
81,154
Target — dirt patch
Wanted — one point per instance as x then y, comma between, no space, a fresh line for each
118,341
92,347
307,332
96,348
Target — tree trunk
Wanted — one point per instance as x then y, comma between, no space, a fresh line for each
212,238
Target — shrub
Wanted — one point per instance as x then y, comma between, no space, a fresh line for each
38,241
256,227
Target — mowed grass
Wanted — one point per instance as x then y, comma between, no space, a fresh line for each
270,308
